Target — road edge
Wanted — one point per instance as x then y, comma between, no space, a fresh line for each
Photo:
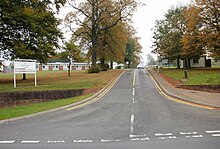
179,99
96,95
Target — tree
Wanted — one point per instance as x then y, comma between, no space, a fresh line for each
28,29
91,14
71,53
209,17
150,59
168,34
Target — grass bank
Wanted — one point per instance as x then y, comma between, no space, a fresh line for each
18,111
57,80
195,76
52,80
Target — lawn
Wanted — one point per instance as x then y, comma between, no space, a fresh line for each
195,76
52,80
18,111
57,80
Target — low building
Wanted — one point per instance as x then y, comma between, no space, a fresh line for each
61,66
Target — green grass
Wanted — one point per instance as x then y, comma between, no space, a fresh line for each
195,76
52,80
57,80
18,111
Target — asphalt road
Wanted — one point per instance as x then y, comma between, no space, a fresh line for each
131,115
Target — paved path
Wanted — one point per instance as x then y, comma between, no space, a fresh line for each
131,115
201,97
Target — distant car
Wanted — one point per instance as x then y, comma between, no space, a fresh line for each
140,67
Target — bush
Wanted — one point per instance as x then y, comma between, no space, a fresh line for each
105,67
94,69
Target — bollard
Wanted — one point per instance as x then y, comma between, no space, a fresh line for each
185,74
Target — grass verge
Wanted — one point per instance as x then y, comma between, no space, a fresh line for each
18,111
195,76
57,80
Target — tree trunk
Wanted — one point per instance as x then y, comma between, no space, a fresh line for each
24,76
178,63
189,65
111,63
102,60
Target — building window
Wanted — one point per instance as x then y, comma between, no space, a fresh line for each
195,61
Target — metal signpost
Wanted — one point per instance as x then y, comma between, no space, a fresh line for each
24,66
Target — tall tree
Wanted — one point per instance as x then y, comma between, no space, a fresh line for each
90,15
168,34
28,29
210,21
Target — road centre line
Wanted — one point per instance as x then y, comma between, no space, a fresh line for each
133,92
134,78
7,142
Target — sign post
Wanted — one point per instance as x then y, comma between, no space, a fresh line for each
25,66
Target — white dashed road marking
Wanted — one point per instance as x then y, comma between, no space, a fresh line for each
160,134
195,136
215,135
188,133
108,141
140,139
56,141
82,141
213,131
170,137
7,142
30,141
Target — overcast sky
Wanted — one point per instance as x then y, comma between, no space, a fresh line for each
144,20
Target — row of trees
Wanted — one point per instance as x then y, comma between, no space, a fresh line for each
101,27
189,31
29,29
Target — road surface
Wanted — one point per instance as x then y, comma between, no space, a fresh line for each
133,114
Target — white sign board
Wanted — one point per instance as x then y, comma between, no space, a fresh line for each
24,66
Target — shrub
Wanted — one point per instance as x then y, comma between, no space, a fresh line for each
94,69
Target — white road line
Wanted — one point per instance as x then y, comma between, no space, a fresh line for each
195,136
170,137
107,141
56,141
30,141
188,133
7,142
140,139
137,136
82,141
165,134
215,135
213,131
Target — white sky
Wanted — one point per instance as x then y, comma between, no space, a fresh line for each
145,17
144,20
